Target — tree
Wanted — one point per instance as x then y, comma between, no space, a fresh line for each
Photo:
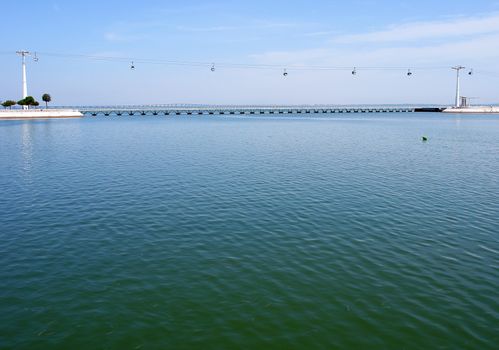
46,98
22,102
8,103
28,101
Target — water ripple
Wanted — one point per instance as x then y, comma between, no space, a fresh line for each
250,233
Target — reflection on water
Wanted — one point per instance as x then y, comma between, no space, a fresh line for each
27,149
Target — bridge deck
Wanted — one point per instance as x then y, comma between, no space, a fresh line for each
130,111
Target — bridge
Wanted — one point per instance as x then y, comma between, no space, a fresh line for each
187,110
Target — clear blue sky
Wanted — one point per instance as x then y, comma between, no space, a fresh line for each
285,33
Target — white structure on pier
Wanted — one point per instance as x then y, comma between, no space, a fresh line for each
27,113
25,85
462,103
458,93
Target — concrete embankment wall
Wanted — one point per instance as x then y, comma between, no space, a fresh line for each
40,114
477,109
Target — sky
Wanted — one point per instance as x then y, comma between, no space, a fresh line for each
425,36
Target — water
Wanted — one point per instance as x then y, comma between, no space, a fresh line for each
250,232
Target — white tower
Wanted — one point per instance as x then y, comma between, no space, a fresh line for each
25,86
458,94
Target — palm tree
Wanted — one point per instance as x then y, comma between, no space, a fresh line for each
46,98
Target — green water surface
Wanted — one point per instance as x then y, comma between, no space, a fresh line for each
250,233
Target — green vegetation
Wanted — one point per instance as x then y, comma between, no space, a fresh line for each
46,98
8,104
28,101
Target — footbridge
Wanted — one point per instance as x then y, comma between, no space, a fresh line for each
172,110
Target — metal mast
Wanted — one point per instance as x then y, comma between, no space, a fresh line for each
458,94
25,86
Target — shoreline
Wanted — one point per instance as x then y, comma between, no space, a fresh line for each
473,110
39,114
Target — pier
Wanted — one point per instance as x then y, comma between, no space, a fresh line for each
169,110
51,113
